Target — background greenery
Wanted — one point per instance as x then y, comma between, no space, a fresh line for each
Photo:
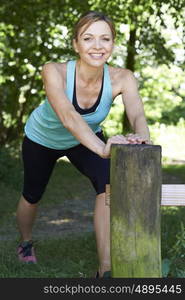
150,42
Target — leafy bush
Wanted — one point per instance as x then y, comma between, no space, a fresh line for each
11,167
174,266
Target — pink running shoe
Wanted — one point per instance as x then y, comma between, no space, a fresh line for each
26,252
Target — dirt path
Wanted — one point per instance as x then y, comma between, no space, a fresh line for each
72,216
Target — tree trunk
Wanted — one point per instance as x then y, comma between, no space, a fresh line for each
130,64
131,51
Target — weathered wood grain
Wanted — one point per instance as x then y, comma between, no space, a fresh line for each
135,199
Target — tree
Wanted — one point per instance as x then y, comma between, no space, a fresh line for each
38,31
145,41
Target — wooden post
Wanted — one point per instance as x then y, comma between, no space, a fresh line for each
135,196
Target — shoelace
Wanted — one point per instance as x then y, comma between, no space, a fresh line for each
26,250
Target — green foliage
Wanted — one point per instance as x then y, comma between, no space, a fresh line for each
163,93
34,33
174,266
39,31
113,123
146,20
171,139
11,168
150,34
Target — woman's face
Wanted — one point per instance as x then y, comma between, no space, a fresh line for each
95,44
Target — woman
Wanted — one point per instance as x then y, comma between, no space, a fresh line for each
79,97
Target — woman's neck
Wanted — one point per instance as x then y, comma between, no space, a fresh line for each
88,74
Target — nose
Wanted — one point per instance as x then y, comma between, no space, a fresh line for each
97,44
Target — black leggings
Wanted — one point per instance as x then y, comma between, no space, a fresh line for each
39,162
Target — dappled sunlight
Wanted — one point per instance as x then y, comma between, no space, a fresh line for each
71,216
87,214
171,139
170,210
171,161
78,218
60,221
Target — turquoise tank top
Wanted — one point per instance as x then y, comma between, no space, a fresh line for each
45,128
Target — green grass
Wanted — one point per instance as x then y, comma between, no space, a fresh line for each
175,170
171,217
75,255
71,257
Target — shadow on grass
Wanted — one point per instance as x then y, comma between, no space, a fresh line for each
173,174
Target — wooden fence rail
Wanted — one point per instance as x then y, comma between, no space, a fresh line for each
173,195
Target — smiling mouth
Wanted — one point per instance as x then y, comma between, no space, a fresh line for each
96,55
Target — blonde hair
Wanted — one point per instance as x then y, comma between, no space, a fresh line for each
91,17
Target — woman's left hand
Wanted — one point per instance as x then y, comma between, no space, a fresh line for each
137,139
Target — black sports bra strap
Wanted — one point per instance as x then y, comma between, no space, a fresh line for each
84,111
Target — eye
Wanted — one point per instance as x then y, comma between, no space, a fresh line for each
106,39
87,39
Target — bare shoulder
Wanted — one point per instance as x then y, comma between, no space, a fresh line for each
54,74
53,67
117,73
121,78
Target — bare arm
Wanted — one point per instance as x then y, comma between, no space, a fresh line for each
70,118
134,107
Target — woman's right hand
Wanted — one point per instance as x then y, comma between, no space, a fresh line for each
116,139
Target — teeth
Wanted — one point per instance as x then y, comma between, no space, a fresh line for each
96,54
